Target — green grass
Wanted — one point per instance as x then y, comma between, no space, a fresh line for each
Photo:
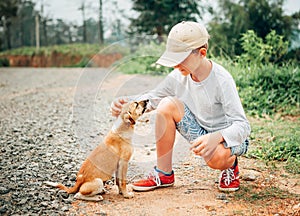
249,193
77,49
276,141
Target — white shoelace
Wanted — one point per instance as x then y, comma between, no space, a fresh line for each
228,176
154,175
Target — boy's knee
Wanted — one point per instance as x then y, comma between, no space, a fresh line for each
221,158
171,106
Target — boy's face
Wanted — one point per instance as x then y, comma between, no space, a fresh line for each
188,65
184,71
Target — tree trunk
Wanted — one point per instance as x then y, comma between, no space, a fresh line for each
37,32
45,32
101,38
7,25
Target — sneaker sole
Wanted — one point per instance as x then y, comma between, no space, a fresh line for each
143,189
228,189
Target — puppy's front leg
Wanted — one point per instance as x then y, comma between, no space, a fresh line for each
121,179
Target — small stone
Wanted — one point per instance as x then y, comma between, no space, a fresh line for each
101,213
44,204
188,192
63,194
4,190
3,209
65,208
250,176
225,201
221,196
23,201
67,166
296,207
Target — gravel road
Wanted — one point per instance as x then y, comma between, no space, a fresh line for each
49,121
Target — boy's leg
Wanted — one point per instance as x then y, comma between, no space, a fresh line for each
221,159
169,112
219,156
172,114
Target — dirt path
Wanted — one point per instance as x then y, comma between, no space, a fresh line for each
52,118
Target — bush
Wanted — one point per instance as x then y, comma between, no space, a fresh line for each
260,52
4,62
270,89
142,61
78,49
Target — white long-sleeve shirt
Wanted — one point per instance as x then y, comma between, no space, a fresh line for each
214,101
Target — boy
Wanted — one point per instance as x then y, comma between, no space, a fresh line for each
199,99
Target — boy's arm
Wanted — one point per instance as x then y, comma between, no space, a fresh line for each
240,129
154,96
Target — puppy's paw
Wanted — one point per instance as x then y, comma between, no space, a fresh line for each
95,198
128,195
98,198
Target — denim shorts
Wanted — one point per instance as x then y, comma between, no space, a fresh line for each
190,129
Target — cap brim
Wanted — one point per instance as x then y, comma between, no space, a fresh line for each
171,59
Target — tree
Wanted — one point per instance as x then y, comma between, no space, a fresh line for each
262,16
62,32
82,8
226,26
26,22
8,10
100,23
156,17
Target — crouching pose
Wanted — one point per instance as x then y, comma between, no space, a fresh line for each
199,99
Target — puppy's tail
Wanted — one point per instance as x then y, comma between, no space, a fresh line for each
71,190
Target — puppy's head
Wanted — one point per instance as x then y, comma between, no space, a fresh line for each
133,110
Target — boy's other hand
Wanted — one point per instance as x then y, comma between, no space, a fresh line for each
116,106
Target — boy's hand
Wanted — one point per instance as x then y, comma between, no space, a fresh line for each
116,106
205,145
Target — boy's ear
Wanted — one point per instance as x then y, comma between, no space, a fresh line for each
203,51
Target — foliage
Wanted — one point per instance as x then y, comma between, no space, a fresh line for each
78,49
4,62
236,17
277,140
8,11
142,61
269,89
18,22
259,52
251,193
156,17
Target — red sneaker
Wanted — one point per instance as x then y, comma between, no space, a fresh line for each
155,180
229,179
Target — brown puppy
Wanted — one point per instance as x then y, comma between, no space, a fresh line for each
109,157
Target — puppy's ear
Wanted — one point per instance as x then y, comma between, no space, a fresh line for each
126,118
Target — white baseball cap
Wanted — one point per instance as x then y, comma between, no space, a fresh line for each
183,38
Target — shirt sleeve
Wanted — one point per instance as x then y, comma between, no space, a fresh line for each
239,128
163,89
